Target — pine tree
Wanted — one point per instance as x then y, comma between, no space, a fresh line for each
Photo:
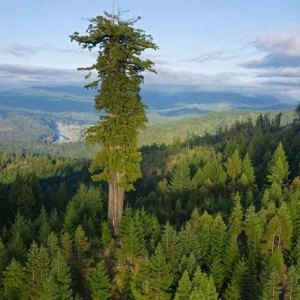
43,264
248,175
140,286
204,235
82,262
131,238
191,264
66,247
233,166
254,231
272,289
15,282
54,221
33,271
71,218
99,282
184,288
214,172
217,270
52,245
170,244
20,235
292,289
235,229
61,276
119,69
49,290
132,244
188,239
236,287
106,236
278,167
44,232
160,276
279,231
180,185
203,287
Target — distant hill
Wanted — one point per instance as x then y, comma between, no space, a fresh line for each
183,103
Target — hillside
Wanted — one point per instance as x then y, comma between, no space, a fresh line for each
52,133
218,218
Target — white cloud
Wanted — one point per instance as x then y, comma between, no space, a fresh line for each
283,42
23,74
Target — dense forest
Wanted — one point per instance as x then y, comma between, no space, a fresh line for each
215,216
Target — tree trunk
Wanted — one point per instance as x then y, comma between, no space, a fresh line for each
115,200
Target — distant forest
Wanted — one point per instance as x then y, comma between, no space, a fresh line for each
34,133
214,216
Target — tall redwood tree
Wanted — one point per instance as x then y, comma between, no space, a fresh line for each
119,70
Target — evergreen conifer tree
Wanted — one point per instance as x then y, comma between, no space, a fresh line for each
81,262
236,288
292,288
99,283
20,235
180,185
160,276
52,245
216,254
15,282
273,288
203,287
140,286
119,69
66,243
278,167
106,236
61,276
49,290
33,270
184,288
170,244
204,234
233,166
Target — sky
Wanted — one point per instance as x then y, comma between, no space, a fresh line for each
248,46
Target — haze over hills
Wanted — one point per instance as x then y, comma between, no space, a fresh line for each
60,99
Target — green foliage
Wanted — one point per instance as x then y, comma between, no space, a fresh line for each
170,244
82,262
33,271
278,167
233,166
15,282
184,288
248,175
61,276
236,287
106,236
203,287
246,247
20,236
292,284
99,282
180,184
216,251
160,277
272,289
119,69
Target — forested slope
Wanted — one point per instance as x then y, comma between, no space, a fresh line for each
213,217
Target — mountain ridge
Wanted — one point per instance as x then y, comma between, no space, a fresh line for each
78,99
